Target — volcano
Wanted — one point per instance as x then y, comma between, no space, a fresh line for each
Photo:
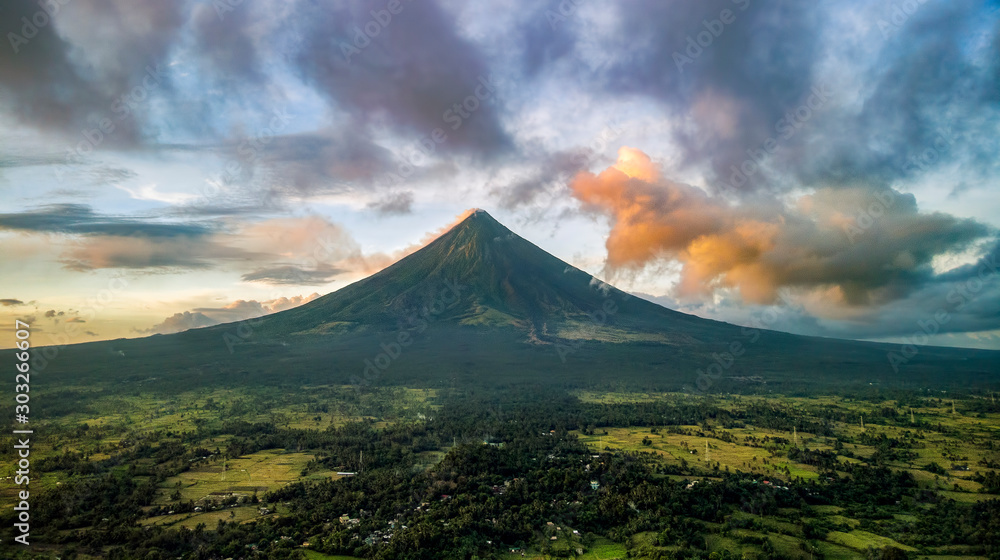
498,280
482,306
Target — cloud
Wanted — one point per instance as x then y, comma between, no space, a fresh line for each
308,250
546,36
81,219
959,307
293,275
151,192
180,322
229,43
726,87
394,204
326,161
816,244
10,302
75,320
407,76
73,69
164,254
236,311
552,169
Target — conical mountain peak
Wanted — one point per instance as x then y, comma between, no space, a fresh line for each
480,304
504,280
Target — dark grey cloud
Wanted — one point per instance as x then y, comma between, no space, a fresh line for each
9,302
314,163
41,84
72,70
760,66
394,204
107,175
294,275
227,43
550,172
929,102
122,242
69,193
18,158
406,76
548,34
934,74
82,220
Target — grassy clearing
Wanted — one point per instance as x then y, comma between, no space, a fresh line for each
944,436
209,518
257,473
691,449
862,540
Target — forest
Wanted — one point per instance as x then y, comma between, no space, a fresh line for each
525,472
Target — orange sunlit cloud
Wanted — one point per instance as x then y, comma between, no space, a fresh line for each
759,249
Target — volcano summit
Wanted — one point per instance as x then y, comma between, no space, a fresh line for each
482,306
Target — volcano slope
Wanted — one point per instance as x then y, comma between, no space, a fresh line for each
480,306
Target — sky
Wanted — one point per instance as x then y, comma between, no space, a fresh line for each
826,169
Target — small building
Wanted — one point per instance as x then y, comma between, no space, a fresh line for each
594,485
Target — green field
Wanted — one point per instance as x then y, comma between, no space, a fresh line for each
230,458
